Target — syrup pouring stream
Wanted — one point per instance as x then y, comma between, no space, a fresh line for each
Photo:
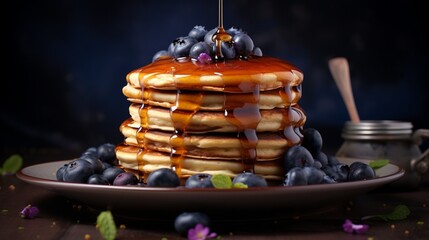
339,68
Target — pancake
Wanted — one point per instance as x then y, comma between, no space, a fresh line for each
147,161
202,121
210,101
271,145
266,72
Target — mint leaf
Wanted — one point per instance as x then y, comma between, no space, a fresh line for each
400,212
239,185
221,181
375,164
12,164
106,225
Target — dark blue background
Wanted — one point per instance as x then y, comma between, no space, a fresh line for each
66,60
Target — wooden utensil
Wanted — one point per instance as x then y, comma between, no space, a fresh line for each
339,68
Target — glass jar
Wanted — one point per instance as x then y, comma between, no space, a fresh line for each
392,140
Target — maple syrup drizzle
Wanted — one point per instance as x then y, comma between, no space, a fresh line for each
220,36
187,104
242,110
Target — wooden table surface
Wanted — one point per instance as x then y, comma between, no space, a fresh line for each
62,218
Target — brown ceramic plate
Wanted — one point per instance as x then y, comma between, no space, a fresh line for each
146,202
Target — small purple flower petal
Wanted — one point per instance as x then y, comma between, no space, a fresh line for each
350,227
204,58
200,232
29,212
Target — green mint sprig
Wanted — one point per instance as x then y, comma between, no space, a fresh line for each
400,212
376,164
224,182
106,225
12,164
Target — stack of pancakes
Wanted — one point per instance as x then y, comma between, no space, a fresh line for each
218,118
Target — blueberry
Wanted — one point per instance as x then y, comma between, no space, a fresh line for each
198,48
125,178
163,177
312,140
338,172
106,153
332,160
208,38
317,164
313,175
343,171
295,177
78,171
360,171
228,50
98,179
92,151
327,179
198,32
297,156
106,165
243,44
95,162
182,46
322,158
161,54
250,179
111,173
199,180
234,31
60,172
257,52
187,220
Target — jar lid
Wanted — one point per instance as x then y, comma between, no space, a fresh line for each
377,129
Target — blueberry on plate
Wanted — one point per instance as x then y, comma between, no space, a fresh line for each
322,158
78,171
360,171
163,177
106,152
98,179
187,220
95,162
314,175
250,179
312,140
111,173
295,177
125,178
297,156
60,172
199,180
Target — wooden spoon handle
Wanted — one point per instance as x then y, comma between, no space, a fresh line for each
340,72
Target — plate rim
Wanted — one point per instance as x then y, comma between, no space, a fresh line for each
46,182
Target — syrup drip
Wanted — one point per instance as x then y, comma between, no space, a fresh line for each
242,110
221,35
187,104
